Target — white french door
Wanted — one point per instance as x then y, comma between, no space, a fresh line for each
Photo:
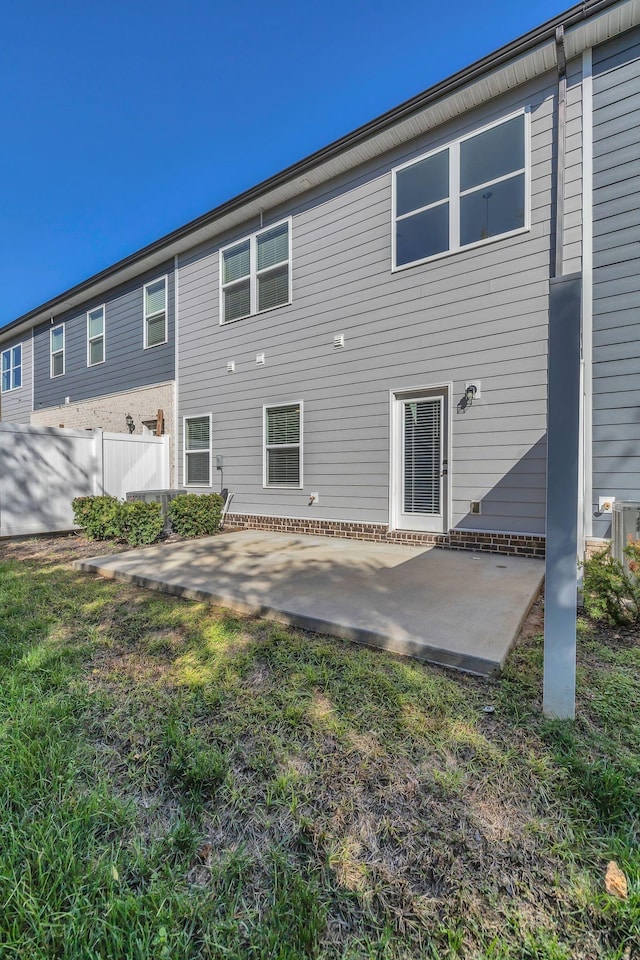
420,490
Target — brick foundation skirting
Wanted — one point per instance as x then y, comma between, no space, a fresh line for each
514,544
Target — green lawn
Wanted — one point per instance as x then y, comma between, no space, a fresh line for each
177,782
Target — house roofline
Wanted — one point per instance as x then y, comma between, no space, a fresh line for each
475,71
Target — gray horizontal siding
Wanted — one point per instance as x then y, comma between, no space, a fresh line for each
616,275
15,406
127,365
478,314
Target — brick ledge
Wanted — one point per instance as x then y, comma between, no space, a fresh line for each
513,544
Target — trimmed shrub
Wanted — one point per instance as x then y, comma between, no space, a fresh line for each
195,515
611,592
106,518
140,522
97,516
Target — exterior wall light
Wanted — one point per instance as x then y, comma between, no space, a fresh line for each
129,422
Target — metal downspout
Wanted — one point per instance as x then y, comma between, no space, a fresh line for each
561,138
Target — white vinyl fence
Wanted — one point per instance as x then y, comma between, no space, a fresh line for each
43,468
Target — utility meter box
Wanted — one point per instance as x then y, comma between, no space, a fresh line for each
625,526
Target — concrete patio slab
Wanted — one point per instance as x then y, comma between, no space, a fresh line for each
456,608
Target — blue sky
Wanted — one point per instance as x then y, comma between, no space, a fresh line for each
123,120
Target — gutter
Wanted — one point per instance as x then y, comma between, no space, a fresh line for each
540,35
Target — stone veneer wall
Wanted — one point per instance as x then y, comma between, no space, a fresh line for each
514,544
109,412
594,546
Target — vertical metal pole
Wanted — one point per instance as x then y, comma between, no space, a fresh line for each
563,444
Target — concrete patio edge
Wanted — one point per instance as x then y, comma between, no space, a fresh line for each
466,662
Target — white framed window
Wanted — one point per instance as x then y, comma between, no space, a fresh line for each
95,336
197,451
56,350
470,192
255,274
11,369
283,445
155,313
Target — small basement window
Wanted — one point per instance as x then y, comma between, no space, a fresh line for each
197,451
283,445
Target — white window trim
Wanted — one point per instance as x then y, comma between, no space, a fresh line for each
102,336
147,316
12,368
63,351
282,486
197,416
453,146
254,273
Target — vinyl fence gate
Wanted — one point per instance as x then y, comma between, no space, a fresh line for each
43,468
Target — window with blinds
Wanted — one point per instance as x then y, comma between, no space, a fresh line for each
155,313
95,336
283,446
197,451
422,456
56,348
255,274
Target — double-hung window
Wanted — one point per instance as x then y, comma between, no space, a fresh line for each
255,274
197,451
56,350
283,445
12,368
95,336
155,313
467,193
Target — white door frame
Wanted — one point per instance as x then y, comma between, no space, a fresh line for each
396,399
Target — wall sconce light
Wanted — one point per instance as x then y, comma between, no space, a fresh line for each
129,422
469,393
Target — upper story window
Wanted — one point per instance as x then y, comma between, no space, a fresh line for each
255,274
283,445
12,368
465,194
95,336
155,313
56,349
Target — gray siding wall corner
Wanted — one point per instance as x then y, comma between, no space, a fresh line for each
15,405
616,273
475,315
127,365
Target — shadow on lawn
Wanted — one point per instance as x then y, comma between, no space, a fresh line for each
380,777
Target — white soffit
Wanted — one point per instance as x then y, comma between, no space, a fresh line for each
538,61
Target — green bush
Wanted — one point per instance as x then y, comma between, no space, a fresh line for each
106,518
612,593
195,515
140,522
97,516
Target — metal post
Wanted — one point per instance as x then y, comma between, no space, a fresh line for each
563,442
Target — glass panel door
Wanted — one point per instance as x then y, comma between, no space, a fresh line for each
420,463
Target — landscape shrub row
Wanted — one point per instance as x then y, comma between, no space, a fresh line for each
136,522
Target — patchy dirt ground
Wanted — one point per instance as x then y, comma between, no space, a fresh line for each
403,818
